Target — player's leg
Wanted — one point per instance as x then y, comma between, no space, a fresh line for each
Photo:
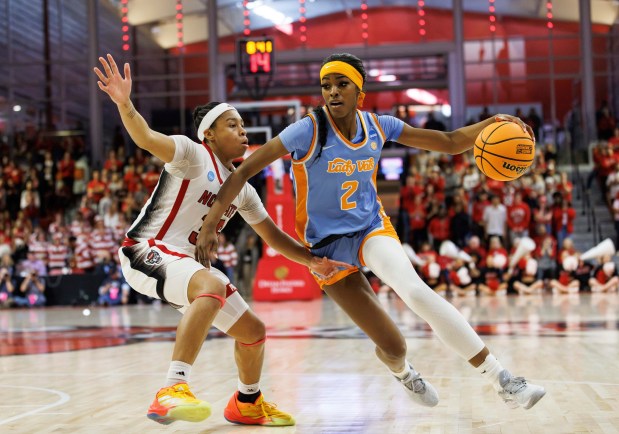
205,294
186,284
355,296
387,259
247,406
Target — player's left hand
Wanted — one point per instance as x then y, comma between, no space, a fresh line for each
327,268
509,118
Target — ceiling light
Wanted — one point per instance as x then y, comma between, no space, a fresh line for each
387,77
422,96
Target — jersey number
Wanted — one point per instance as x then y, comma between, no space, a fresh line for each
350,187
193,236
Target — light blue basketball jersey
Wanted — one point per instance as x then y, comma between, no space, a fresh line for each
336,193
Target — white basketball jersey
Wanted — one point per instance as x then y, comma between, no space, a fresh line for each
186,190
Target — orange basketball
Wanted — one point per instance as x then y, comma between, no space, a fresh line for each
503,151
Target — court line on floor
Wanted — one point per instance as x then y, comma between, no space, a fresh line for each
64,397
289,374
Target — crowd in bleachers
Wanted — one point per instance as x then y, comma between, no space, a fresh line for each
447,199
58,216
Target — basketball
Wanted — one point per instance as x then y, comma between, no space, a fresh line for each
503,151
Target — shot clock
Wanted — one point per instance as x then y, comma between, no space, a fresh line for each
255,57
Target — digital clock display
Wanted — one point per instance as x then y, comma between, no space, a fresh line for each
255,56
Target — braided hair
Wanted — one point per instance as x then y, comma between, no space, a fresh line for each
321,118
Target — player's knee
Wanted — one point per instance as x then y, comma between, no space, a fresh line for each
255,334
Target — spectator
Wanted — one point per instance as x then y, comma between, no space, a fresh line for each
96,187
228,255
460,225
31,291
605,122
112,164
518,218
81,176
66,173
495,219
7,287
58,255
433,124
563,221
32,264
439,227
605,278
114,290
534,120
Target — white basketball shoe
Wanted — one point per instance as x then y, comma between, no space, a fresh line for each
517,392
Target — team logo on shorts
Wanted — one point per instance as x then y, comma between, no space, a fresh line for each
210,175
373,145
153,258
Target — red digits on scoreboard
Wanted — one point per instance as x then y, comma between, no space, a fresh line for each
260,61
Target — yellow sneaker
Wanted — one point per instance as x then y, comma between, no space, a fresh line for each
177,403
258,413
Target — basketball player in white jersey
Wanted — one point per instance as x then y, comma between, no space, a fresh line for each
157,256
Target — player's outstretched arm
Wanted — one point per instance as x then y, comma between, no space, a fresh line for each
118,89
454,142
291,249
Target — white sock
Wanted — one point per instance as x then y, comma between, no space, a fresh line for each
248,389
490,370
178,373
408,370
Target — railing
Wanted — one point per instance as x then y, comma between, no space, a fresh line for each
583,193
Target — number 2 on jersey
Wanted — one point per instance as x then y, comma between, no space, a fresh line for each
350,187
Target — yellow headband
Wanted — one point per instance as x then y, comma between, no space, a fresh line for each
347,70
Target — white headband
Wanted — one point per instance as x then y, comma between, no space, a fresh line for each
211,117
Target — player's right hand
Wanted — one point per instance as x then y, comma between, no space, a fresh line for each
112,82
206,247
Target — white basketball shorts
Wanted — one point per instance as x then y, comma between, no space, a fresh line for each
156,269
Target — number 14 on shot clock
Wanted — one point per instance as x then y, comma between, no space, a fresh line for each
255,56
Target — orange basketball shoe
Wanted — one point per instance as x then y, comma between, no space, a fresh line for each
258,413
177,403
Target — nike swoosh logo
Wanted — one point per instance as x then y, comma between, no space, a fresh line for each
327,147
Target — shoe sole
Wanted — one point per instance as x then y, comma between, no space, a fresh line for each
236,422
188,414
534,399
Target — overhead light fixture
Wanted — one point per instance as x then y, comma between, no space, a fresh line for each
374,72
17,108
387,77
422,96
282,22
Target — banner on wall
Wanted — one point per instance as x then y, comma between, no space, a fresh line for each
278,278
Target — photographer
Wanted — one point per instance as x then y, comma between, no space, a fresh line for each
7,286
31,291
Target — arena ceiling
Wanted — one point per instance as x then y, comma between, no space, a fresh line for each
159,15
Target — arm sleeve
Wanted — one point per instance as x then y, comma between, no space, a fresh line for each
392,127
251,208
297,137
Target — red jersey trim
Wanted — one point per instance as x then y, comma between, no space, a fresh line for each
210,152
164,249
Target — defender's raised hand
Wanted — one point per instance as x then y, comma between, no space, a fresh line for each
327,268
112,82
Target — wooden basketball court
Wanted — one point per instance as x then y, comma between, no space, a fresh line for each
64,372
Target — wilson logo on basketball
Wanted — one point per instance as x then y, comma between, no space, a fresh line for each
511,167
524,149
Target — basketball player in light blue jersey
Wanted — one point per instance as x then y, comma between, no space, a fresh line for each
335,152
